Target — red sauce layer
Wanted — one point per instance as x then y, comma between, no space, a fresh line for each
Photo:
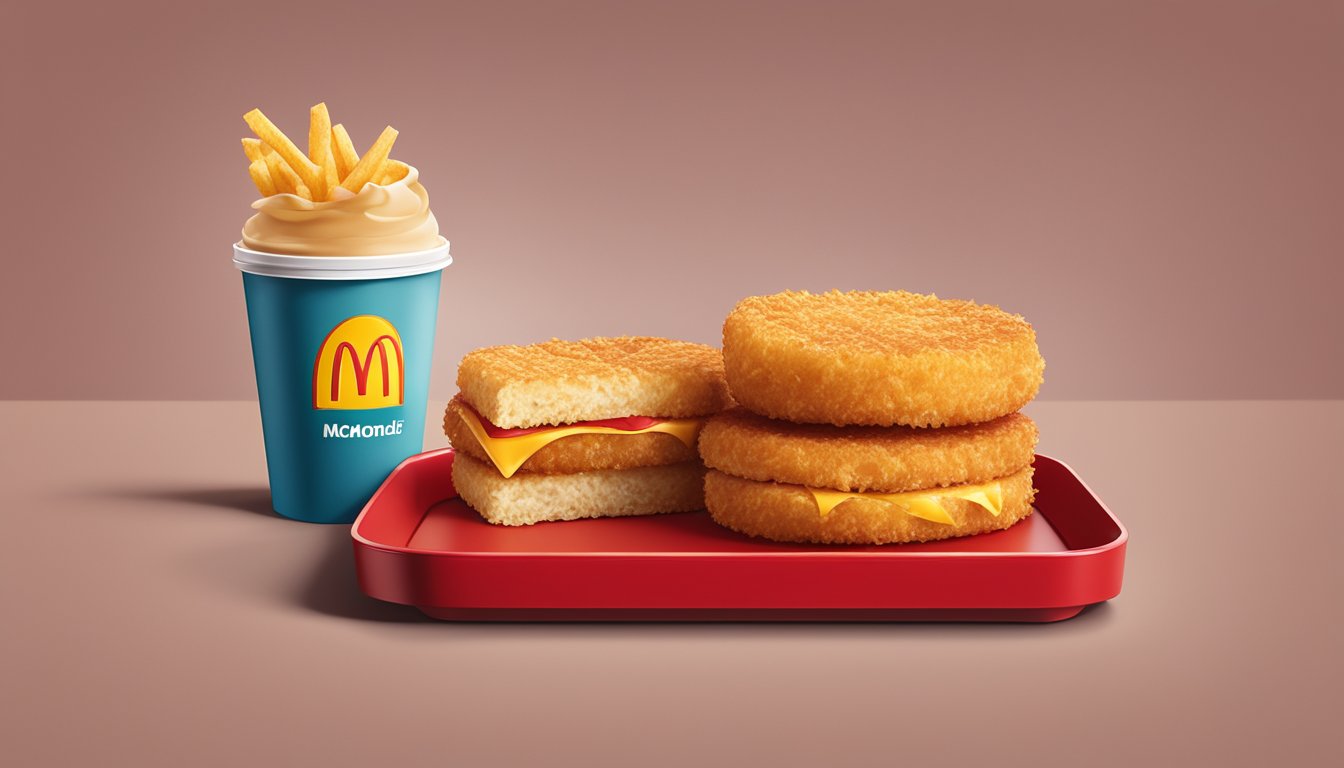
625,424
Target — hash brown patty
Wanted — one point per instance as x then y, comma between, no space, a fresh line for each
890,459
879,358
788,513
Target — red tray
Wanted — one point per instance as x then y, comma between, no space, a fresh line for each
416,543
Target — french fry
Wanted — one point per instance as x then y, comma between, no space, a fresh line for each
254,149
319,133
392,172
329,174
281,180
286,180
278,141
372,161
319,147
261,176
344,150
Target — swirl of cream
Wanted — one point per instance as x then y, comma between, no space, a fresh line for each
377,221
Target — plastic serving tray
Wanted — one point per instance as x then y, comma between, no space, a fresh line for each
416,543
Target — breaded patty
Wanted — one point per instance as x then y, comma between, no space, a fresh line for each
890,459
789,513
576,453
559,382
533,498
879,358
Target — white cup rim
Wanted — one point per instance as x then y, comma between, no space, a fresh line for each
342,267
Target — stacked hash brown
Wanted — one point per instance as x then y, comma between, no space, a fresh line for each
867,393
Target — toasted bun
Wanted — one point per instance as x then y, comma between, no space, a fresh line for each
789,513
890,459
559,382
534,498
879,358
576,453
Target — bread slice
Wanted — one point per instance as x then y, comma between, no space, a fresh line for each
559,382
532,498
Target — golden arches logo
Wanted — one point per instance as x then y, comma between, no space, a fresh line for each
343,372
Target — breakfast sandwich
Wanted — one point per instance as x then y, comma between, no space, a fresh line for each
872,418
564,430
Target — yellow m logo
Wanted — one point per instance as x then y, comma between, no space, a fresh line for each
343,372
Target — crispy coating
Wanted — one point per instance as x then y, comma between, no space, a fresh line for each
558,382
879,358
890,459
528,499
789,513
576,453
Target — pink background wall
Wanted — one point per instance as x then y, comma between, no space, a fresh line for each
1156,186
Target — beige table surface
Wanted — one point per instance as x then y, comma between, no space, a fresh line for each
155,612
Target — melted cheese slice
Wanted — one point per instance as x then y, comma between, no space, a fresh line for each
509,453
926,505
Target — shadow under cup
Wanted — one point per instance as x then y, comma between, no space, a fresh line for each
342,348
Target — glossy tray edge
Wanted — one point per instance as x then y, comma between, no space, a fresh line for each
851,615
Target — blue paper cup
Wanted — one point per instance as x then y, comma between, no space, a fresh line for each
342,348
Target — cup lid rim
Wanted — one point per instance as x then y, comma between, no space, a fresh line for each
342,267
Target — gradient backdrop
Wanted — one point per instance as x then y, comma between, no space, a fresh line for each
1156,186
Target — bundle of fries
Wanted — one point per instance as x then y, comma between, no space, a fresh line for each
277,166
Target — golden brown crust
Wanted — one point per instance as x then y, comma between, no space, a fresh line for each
789,513
576,453
560,382
891,459
879,358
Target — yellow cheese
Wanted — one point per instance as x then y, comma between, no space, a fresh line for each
922,504
509,453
